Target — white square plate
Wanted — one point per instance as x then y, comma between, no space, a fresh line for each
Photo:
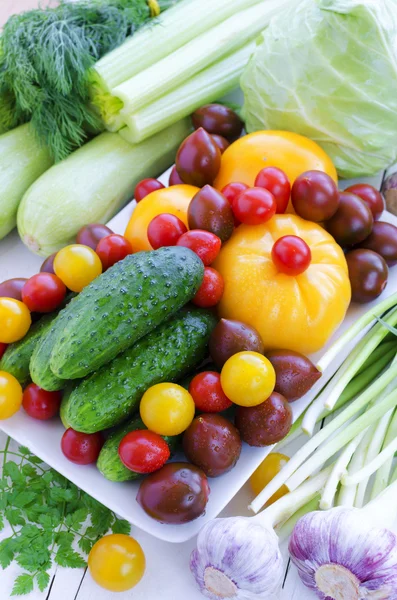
44,438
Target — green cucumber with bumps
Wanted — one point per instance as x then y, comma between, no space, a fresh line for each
16,359
121,306
112,394
109,462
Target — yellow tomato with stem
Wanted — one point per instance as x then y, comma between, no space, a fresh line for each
267,471
15,320
10,395
117,562
248,378
167,409
174,200
291,152
77,266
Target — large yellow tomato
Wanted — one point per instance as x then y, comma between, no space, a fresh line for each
291,152
174,200
295,312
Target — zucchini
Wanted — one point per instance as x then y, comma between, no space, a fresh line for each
112,394
121,306
109,463
17,357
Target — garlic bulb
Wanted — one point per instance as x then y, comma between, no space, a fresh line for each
341,556
237,558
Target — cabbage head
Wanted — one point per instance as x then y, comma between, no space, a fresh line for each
327,69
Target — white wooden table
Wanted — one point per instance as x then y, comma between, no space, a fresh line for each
168,576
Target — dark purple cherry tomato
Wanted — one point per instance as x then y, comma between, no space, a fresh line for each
221,142
3,348
213,444
209,210
315,196
291,255
352,222
205,244
90,235
254,206
113,248
368,273
165,230
177,493
371,196
174,177
230,337
198,159
12,288
218,119
295,373
383,240
39,404
146,187
277,183
48,264
265,424
81,448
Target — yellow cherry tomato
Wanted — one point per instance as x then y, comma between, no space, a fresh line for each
167,409
298,312
77,266
266,471
15,320
117,562
10,395
174,200
248,378
291,152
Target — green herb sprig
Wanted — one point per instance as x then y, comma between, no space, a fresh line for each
45,60
52,521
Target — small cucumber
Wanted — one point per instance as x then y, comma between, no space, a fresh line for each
40,371
121,306
109,463
16,358
112,394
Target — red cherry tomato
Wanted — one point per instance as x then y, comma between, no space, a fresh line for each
112,249
174,177
3,348
146,187
231,191
12,288
48,264
254,206
206,391
211,290
81,448
165,230
371,196
277,183
204,243
43,292
40,404
144,451
291,255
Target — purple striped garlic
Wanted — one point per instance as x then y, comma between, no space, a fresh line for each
340,555
237,559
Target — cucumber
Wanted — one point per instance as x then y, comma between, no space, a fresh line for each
17,357
121,306
109,463
112,394
40,371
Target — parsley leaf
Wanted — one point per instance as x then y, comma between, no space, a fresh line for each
43,579
23,585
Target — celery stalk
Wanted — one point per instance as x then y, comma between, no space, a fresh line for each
171,30
175,68
207,86
22,161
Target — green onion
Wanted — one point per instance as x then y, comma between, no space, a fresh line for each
287,528
175,68
212,83
383,474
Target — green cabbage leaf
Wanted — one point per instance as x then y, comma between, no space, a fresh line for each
327,69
